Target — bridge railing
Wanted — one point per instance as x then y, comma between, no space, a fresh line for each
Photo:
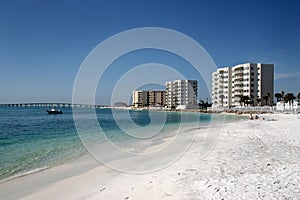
65,105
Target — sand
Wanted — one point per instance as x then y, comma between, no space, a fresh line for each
252,159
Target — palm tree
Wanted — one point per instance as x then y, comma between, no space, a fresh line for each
289,97
278,97
282,94
241,99
292,97
258,100
246,100
266,98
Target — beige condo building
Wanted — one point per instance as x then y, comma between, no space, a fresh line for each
152,98
157,98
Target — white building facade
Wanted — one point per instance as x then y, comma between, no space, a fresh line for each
222,87
251,81
182,94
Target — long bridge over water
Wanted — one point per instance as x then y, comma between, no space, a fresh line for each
62,105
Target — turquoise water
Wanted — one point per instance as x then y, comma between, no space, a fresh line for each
32,140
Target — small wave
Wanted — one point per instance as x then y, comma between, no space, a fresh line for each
24,174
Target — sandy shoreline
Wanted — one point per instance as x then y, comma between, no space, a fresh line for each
251,160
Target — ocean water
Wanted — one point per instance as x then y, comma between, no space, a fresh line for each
32,140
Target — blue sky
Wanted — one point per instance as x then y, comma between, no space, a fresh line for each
43,43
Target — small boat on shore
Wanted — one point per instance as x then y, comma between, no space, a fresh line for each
54,111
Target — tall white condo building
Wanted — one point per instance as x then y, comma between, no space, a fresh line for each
249,82
181,94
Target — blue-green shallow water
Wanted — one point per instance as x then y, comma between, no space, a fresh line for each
32,140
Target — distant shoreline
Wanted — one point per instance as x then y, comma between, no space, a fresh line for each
161,109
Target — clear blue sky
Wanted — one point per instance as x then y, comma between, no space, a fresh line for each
43,43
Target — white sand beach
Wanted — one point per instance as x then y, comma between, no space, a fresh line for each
253,159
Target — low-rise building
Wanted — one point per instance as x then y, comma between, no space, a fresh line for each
157,98
139,98
152,98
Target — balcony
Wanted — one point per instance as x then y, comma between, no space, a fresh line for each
239,68
238,82
238,78
238,72
238,86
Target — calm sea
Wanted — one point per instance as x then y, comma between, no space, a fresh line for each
32,140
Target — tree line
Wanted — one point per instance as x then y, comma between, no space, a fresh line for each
289,97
